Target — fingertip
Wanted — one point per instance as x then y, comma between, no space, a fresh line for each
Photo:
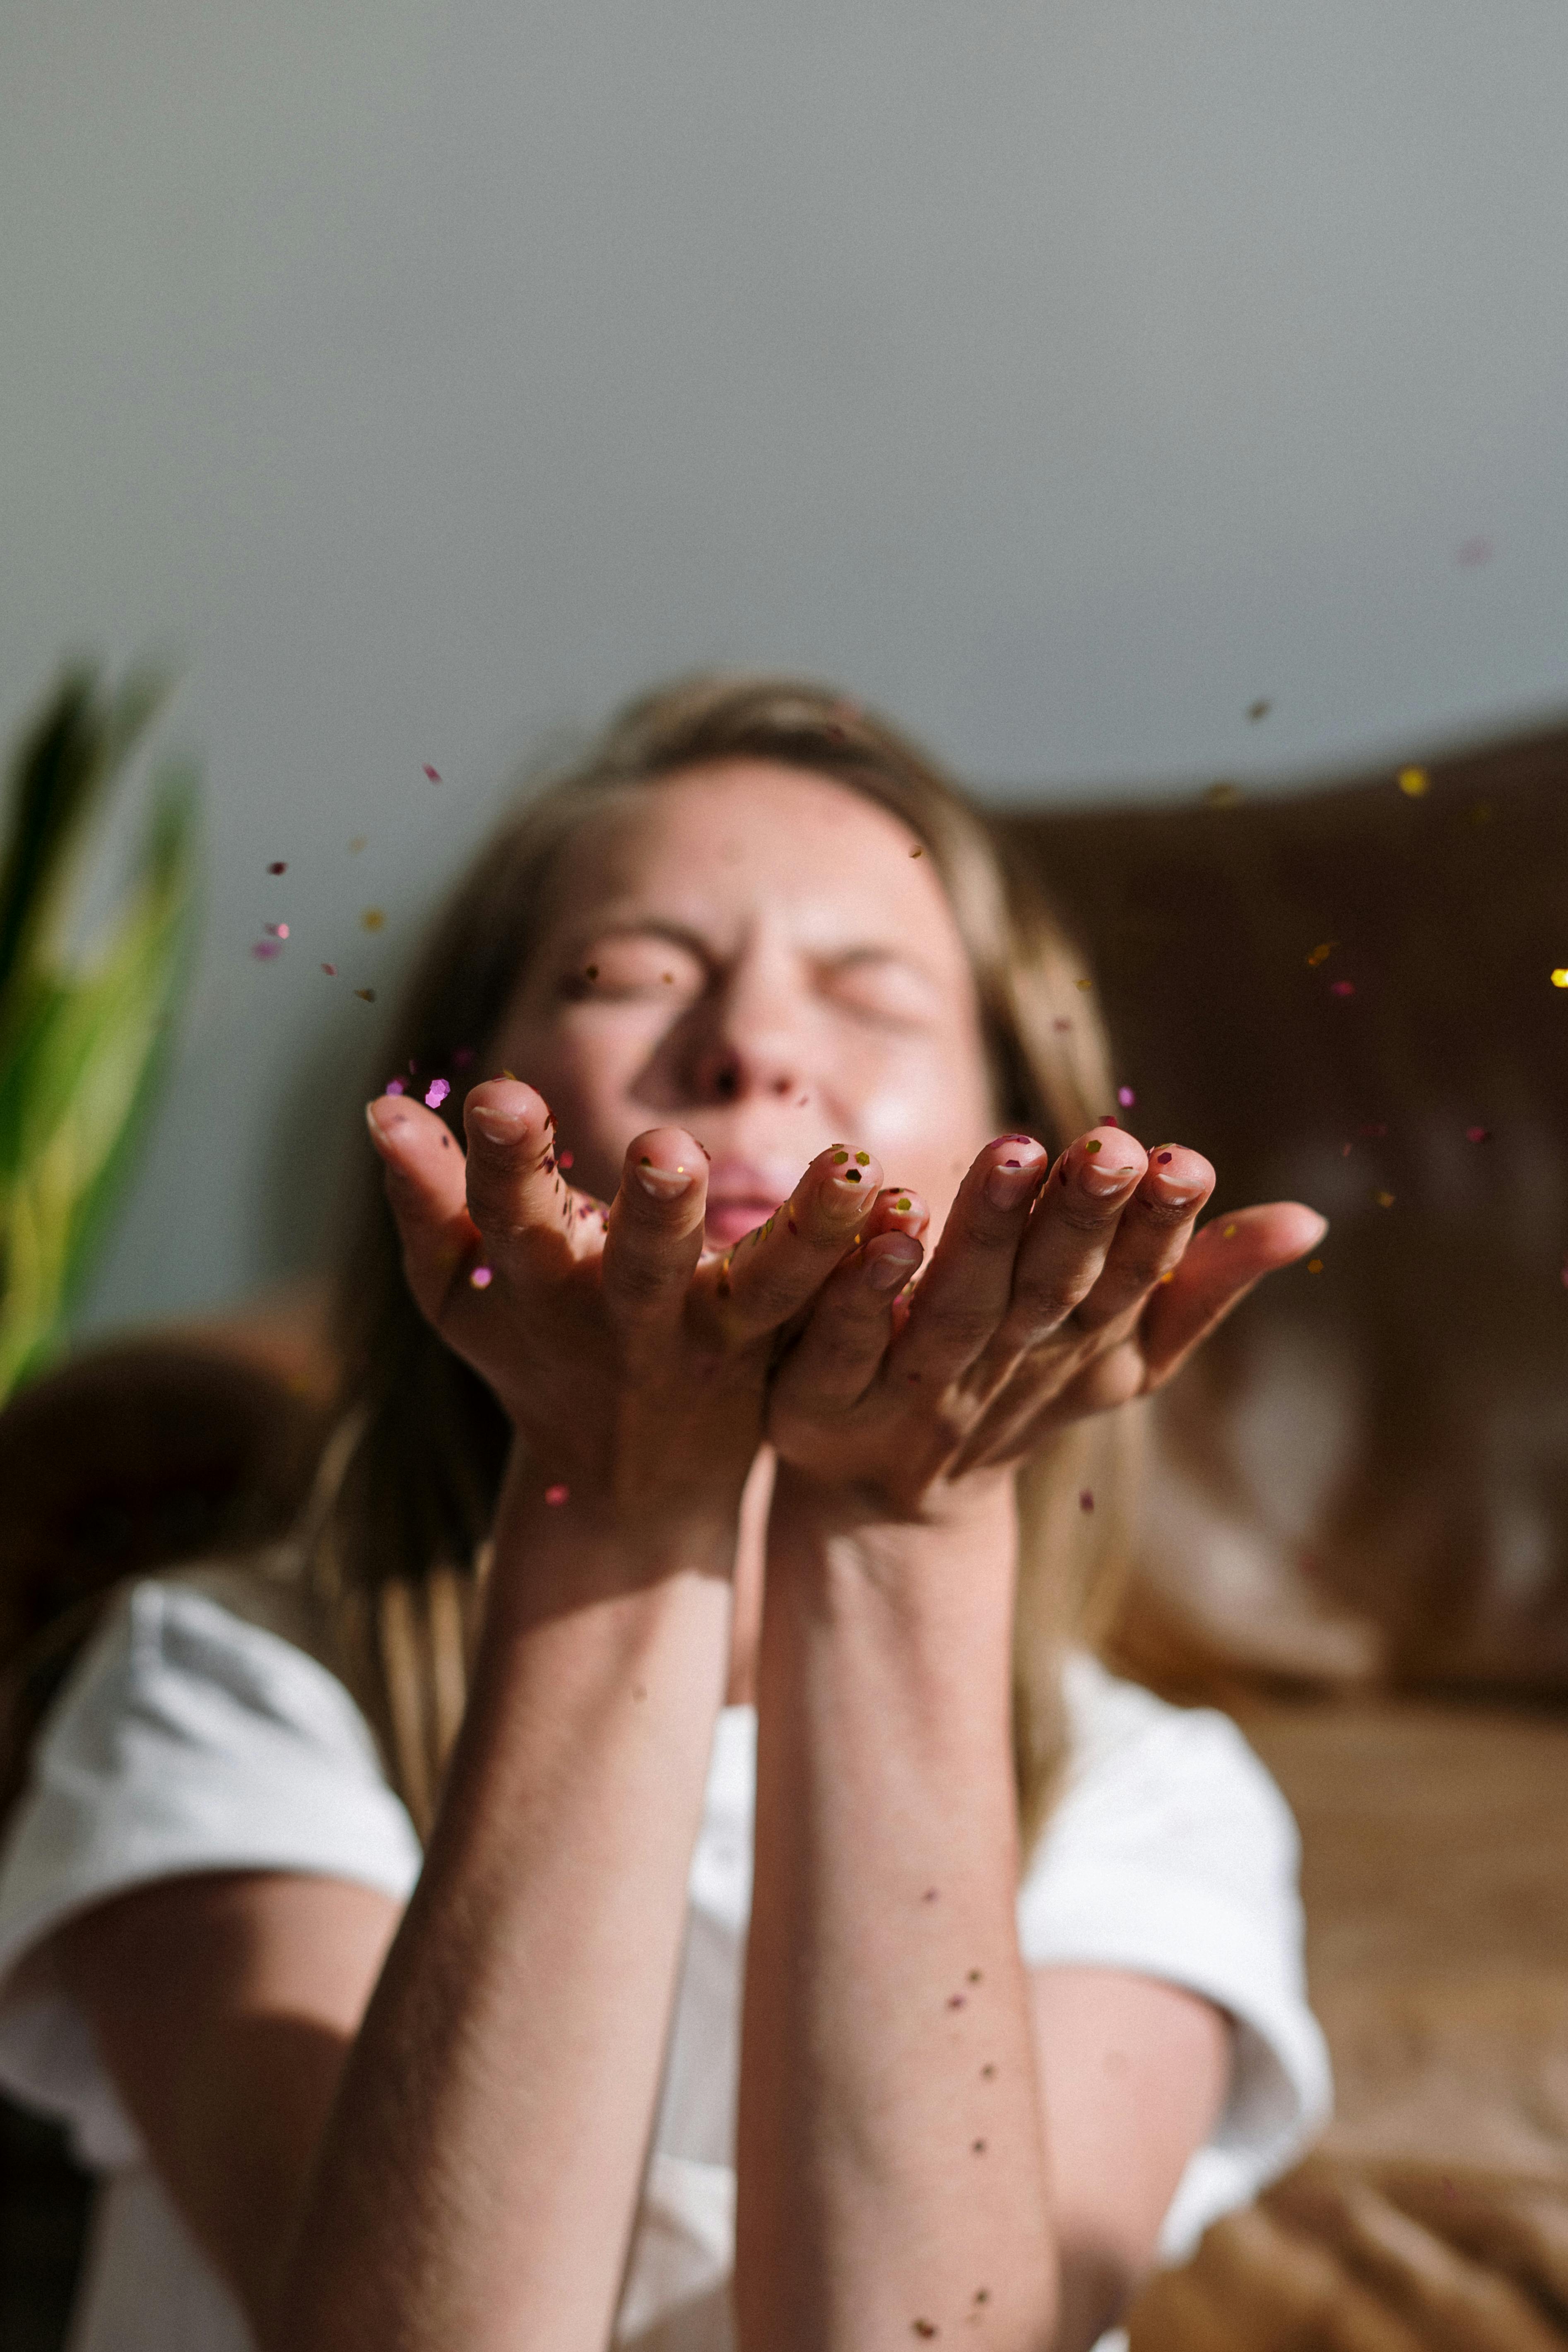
502,1111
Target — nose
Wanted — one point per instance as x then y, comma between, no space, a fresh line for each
748,1047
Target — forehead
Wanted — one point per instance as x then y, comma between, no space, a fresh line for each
746,841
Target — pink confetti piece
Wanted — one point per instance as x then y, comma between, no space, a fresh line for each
556,1495
1126,1097
278,930
1341,988
1475,551
330,969
393,1087
436,1093
1085,1500
565,1159
1477,1135
481,1277
277,866
265,950
430,771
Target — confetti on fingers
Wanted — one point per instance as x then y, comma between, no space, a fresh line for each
1151,1234
844,1345
777,1270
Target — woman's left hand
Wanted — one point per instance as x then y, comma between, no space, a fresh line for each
1042,1302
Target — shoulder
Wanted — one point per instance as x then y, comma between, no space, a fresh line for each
194,1735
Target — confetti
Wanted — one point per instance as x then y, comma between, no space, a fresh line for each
956,2001
1324,949
265,950
1477,1135
436,1093
556,1495
330,969
1085,1500
1384,1199
278,930
1341,988
1222,795
277,866
430,771
1227,1233
1256,711
1126,1097
395,1087
917,853
565,1159
1163,1157
481,1277
1560,977
923,2327
977,2148
366,995
1093,1146
1083,984
1314,1266
1413,782
357,844
1475,551
372,920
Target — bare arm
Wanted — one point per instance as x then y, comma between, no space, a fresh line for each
462,2167
892,2161
909,2165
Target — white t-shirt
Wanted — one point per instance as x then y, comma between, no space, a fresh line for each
196,1732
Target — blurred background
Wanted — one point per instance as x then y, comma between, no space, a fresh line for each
1068,379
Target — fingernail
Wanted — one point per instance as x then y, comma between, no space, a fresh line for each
849,1167
889,1269
499,1126
1101,1182
1012,1182
383,1118
662,1183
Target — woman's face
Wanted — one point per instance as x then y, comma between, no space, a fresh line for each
756,954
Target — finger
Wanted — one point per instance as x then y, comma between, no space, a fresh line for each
842,1347
1151,1233
966,1289
1219,1267
776,1271
425,1192
521,1204
655,1236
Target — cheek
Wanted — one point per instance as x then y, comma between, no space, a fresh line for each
926,1125
587,1083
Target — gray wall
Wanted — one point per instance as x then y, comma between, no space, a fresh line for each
1062,377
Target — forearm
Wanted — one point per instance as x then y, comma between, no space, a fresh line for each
480,2173
893,2175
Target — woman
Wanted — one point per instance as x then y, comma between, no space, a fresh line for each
734,1459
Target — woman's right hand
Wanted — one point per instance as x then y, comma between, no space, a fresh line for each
632,1362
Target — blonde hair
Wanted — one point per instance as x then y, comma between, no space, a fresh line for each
400,1558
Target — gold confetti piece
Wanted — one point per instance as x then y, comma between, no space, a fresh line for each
1314,1266
1560,977
366,995
372,920
1083,983
1228,1231
917,853
1324,949
1256,711
1222,795
1169,1275
1384,1199
357,844
1413,782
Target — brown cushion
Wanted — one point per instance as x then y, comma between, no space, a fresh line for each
1366,1473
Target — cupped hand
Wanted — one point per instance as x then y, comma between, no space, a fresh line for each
632,1362
1049,1296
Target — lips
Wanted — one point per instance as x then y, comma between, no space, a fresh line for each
740,1197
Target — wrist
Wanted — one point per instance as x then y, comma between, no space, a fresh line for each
965,1546
582,1528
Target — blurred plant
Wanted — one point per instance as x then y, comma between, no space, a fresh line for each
84,1040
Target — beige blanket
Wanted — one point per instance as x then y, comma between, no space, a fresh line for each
1435,2213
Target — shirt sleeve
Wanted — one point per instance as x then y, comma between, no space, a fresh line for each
186,1740
1172,1854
